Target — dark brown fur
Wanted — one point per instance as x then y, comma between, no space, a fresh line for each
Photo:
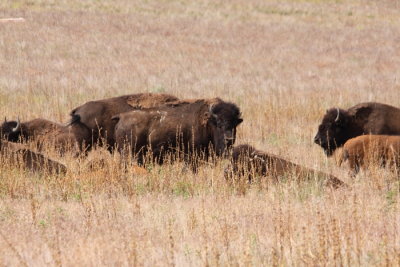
96,116
41,131
362,151
190,127
18,155
364,118
247,161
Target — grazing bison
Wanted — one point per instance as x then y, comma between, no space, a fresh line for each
247,161
96,116
339,125
18,155
41,131
195,128
371,149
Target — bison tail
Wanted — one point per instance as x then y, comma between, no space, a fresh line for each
75,118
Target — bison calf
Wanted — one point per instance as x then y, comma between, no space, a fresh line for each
365,150
247,161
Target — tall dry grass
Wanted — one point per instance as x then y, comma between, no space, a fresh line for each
284,63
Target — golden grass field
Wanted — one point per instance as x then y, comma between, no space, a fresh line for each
283,62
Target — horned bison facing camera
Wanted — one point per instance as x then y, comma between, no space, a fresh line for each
249,162
339,125
367,150
96,116
194,129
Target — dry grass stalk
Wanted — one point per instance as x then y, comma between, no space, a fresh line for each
171,256
5,20
14,250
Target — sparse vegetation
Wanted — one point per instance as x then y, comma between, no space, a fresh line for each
282,62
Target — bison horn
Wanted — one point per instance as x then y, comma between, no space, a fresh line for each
5,119
18,127
211,111
211,107
337,117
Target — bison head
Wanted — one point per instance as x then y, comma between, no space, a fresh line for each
245,162
223,118
333,130
11,130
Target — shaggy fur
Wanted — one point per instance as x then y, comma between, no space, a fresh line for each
18,155
187,127
42,132
249,162
365,118
366,150
95,116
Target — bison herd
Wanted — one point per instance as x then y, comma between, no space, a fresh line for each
155,128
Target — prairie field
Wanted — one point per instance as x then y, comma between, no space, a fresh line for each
282,62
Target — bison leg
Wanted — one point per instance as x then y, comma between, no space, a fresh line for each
354,164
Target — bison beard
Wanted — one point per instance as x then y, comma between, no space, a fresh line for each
248,162
191,130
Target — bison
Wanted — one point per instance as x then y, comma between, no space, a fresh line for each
365,150
95,116
41,131
194,128
249,162
339,125
17,154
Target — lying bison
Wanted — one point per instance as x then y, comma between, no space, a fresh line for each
43,132
339,125
247,161
365,150
195,128
96,116
18,155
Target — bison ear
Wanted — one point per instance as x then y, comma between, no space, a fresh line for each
115,118
239,121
